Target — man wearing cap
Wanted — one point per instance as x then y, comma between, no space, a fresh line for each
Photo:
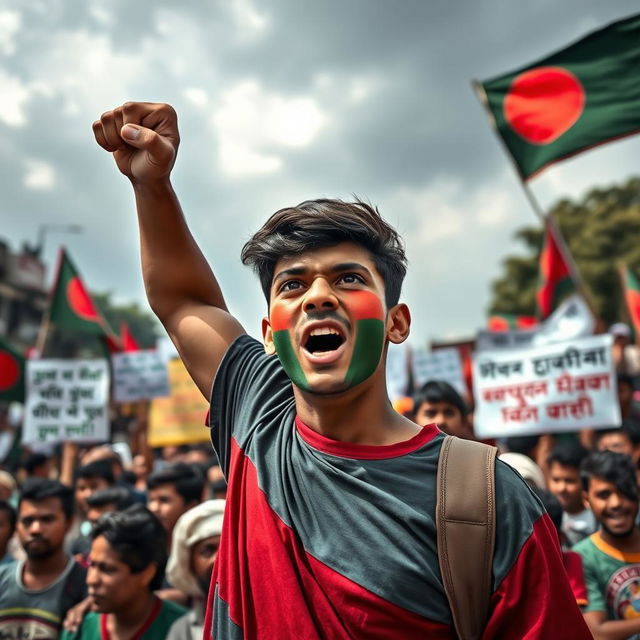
194,547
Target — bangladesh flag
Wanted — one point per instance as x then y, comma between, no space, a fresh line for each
509,321
632,297
576,98
71,305
554,280
11,373
129,343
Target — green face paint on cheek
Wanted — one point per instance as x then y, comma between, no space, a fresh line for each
280,324
368,313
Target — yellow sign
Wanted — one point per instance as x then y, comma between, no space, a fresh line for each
180,417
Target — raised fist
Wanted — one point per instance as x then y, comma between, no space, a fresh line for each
143,137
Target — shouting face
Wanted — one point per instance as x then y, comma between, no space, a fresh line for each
327,318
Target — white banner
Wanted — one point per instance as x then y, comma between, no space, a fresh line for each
565,386
572,319
66,400
139,375
440,364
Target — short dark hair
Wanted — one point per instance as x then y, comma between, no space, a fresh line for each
187,479
616,468
600,433
314,224
33,461
625,378
568,454
439,391
120,497
96,469
138,537
551,504
38,489
5,506
521,444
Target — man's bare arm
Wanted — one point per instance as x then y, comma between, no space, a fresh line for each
603,629
180,285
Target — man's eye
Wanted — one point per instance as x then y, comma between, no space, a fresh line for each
290,285
351,278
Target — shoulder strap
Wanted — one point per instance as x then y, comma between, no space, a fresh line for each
466,527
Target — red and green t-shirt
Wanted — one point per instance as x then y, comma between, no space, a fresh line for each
324,539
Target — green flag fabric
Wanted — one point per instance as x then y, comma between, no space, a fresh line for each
632,296
572,100
12,366
71,305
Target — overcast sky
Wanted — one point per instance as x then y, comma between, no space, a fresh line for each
279,102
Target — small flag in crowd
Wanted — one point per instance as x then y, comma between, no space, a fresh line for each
554,280
576,98
509,321
129,343
631,286
71,305
11,373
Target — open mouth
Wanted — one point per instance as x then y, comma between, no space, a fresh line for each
323,341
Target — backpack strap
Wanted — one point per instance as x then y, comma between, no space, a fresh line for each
466,529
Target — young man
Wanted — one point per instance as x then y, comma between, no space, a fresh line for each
196,539
107,501
563,464
437,401
172,491
329,524
36,593
611,556
126,564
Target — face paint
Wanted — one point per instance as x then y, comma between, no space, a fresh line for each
365,308
280,325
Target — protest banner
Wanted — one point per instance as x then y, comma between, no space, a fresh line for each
565,386
180,417
440,364
139,375
572,319
397,371
66,400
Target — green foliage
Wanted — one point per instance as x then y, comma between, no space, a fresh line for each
601,230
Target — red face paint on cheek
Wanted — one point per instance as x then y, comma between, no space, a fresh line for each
279,318
364,305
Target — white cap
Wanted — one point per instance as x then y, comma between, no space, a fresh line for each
526,467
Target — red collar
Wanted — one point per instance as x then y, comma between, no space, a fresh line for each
104,632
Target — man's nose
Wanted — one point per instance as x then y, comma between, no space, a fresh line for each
614,501
319,296
35,527
92,576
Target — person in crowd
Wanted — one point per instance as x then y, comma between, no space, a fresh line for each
563,480
617,440
107,501
37,465
626,356
36,593
7,486
323,474
172,491
437,401
7,529
572,560
140,469
194,548
611,556
126,564
628,411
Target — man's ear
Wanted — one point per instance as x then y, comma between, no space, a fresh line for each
398,323
267,337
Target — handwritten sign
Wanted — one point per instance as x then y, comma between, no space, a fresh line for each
139,375
442,364
66,400
180,417
565,386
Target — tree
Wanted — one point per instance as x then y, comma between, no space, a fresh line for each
601,230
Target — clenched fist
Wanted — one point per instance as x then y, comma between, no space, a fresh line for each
143,137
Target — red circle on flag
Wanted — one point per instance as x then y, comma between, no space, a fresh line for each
9,371
544,103
80,301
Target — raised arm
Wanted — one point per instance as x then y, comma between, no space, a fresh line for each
180,286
